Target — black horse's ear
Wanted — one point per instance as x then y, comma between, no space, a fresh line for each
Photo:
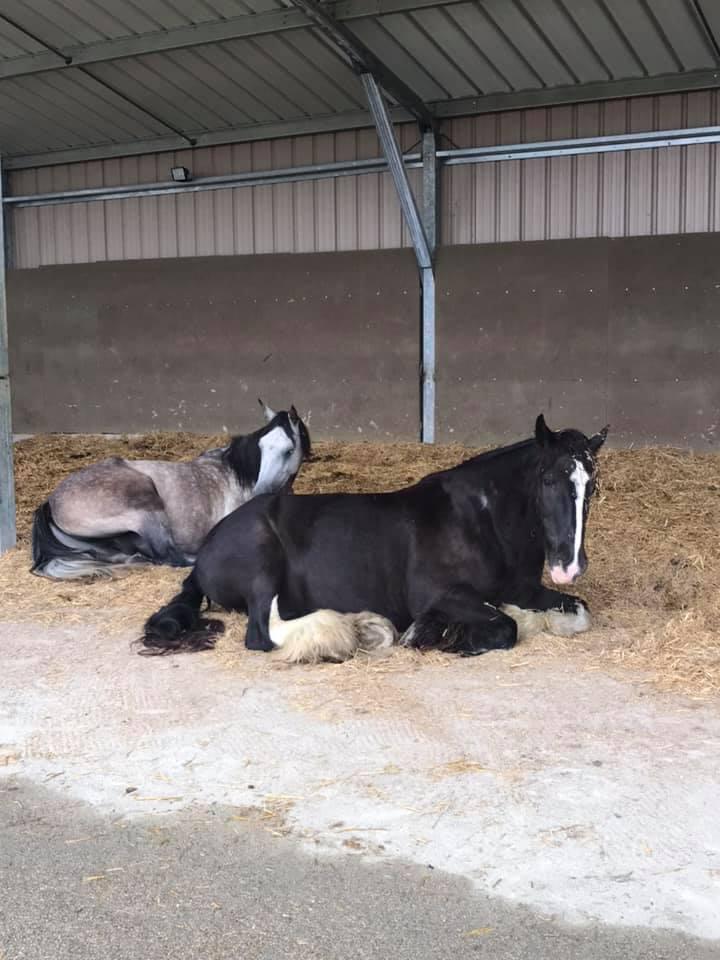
543,433
294,417
598,440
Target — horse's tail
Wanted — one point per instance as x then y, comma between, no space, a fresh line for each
178,625
58,555
322,635
328,635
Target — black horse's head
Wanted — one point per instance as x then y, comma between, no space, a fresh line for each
566,483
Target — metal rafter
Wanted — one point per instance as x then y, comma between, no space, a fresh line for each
394,160
492,103
363,61
430,160
177,38
66,61
423,232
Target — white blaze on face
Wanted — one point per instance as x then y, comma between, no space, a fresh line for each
276,467
579,479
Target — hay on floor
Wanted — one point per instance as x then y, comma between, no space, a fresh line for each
653,583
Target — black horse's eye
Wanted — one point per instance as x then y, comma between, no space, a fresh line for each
548,481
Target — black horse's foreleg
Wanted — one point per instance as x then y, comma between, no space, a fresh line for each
257,635
537,608
460,621
265,569
538,597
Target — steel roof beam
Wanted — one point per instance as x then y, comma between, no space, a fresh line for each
491,103
364,62
251,25
580,93
429,158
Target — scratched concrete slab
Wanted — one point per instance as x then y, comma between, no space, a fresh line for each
565,791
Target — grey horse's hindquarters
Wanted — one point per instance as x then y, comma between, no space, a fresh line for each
59,556
104,516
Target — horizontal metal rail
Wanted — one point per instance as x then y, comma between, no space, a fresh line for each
493,154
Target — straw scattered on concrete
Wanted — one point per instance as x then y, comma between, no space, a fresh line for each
654,546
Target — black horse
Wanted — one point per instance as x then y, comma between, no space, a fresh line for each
439,559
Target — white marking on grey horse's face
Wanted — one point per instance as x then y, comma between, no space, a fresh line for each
280,458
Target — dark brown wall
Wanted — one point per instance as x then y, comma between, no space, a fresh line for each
625,332
589,331
191,344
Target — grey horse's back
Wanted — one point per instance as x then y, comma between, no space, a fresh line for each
121,511
103,499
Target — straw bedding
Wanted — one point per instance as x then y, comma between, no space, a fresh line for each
654,546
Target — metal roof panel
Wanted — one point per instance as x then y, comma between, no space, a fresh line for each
566,38
427,49
277,71
642,34
385,46
604,37
457,44
519,29
684,32
501,54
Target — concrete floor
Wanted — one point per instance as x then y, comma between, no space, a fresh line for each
196,806
199,884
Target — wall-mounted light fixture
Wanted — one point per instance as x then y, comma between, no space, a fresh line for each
180,174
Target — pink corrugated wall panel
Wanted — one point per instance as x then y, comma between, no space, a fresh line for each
586,173
615,194
303,198
243,203
368,195
346,196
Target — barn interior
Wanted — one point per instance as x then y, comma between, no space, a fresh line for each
422,222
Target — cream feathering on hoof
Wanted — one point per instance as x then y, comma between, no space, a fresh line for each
328,635
558,622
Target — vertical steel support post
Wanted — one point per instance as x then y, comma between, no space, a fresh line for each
7,478
420,242
430,203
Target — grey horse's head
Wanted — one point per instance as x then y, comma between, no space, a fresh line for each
269,459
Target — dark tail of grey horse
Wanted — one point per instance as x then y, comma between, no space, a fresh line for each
57,555
178,626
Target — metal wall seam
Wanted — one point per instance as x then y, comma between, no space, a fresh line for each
654,191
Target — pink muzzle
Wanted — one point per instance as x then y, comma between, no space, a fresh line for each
565,575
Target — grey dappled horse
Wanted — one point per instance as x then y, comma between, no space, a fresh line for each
120,512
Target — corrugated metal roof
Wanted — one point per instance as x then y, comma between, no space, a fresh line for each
148,72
